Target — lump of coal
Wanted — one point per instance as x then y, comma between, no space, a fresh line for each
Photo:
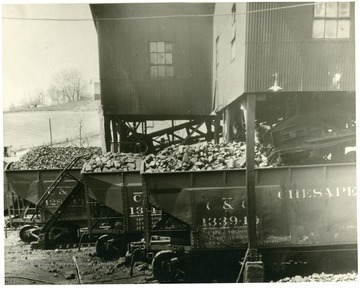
49,157
208,156
112,162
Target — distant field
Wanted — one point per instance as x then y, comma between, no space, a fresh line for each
28,129
89,105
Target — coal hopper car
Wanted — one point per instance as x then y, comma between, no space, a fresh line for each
121,193
47,182
122,222
31,185
299,210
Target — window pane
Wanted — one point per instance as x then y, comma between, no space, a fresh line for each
168,58
161,58
319,10
331,9
160,46
153,71
168,47
152,46
161,71
318,28
344,9
153,58
169,71
330,28
344,29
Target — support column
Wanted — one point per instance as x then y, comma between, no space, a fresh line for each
102,130
217,129
227,129
123,135
254,270
250,170
114,136
107,133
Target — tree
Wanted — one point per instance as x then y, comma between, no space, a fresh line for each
35,99
68,86
80,122
38,98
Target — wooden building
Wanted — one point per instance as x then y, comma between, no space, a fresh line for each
262,39
154,65
183,61
308,47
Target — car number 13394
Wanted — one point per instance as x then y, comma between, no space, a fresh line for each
225,221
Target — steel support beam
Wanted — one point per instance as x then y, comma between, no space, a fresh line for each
250,170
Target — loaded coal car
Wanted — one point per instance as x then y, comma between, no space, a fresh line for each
113,180
47,182
297,218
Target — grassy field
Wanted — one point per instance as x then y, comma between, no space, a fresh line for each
89,105
30,128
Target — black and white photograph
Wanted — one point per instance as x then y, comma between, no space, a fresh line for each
179,142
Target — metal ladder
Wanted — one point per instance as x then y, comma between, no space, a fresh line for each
78,188
50,190
43,240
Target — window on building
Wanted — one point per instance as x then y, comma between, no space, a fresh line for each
331,20
233,31
161,59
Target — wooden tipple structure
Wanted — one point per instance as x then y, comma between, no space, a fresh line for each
154,65
199,63
297,61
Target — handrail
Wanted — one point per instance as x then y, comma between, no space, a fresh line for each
56,182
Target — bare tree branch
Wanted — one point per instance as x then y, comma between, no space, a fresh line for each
68,86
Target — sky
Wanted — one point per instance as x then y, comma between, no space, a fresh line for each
34,51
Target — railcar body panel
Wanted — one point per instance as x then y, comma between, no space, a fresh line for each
106,187
32,184
295,206
122,192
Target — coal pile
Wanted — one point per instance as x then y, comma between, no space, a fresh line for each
48,157
209,156
113,162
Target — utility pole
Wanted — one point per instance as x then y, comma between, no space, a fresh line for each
50,131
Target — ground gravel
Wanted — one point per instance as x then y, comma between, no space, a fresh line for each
323,277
